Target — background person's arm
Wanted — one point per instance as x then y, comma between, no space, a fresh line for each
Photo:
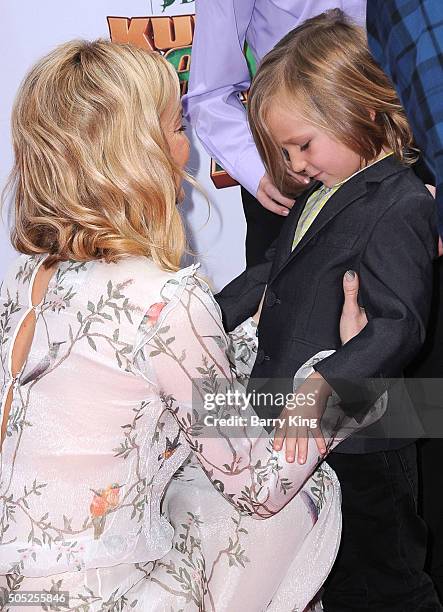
219,72
406,39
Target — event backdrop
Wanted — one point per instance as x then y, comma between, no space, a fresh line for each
31,29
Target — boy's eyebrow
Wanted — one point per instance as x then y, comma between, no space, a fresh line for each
294,140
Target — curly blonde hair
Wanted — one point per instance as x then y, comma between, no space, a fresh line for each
93,176
325,71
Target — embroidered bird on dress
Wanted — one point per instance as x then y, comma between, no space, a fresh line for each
44,364
171,447
102,503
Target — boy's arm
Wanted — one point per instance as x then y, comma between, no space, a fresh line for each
241,298
396,285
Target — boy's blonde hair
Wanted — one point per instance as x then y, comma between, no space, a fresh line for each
93,176
324,70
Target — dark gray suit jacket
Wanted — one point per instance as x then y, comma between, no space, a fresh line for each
382,224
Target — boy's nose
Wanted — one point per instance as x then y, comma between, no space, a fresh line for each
298,164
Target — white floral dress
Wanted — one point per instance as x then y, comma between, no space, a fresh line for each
104,414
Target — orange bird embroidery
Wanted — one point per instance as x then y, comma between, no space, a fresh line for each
102,503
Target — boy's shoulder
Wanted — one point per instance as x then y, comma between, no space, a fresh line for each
401,189
402,210
405,179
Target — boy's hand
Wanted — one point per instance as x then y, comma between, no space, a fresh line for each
315,386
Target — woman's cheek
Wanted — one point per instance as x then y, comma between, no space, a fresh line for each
186,151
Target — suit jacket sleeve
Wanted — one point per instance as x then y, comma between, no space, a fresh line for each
241,297
395,289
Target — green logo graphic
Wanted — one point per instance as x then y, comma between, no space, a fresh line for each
168,3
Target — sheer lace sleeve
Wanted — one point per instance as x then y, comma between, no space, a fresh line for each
242,351
184,350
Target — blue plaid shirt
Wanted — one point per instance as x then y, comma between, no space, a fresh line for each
406,39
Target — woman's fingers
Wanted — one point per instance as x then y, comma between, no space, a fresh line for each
350,290
353,318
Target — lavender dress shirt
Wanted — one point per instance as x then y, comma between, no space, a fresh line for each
219,71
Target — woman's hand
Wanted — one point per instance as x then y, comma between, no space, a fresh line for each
353,318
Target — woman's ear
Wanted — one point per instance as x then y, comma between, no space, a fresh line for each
372,114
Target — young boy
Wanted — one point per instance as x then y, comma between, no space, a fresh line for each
319,105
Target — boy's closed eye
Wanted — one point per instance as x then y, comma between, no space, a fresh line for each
303,147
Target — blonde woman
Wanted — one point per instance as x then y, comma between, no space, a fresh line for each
102,338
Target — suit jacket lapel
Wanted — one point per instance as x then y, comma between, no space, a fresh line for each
286,237
346,195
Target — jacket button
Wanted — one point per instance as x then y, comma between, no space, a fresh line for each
271,299
260,356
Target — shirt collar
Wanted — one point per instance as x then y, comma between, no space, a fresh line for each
379,159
